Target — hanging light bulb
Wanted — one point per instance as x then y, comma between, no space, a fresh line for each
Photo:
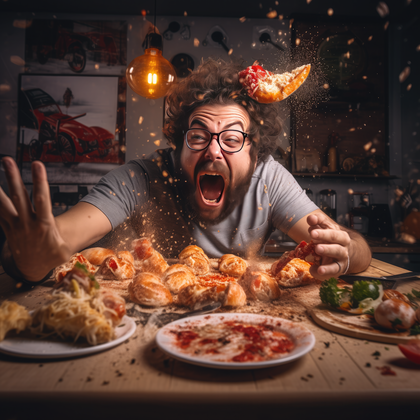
151,75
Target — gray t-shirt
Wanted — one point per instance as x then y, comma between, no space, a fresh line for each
274,200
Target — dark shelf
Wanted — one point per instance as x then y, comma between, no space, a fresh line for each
335,175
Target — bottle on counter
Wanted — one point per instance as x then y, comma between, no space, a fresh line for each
332,156
328,203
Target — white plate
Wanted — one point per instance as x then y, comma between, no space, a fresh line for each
302,337
26,345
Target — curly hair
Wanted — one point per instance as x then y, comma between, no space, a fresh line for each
217,82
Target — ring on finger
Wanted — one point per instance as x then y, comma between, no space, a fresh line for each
339,266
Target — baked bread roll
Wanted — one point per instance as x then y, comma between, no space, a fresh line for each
147,259
197,295
295,273
196,259
13,317
147,289
234,295
259,285
232,265
117,268
178,276
114,306
97,256
63,269
126,256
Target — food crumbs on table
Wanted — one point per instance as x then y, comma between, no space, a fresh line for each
41,365
304,379
88,379
60,380
132,361
376,353
320,358
166,363
118,373
327,344
386,348
386,371
368,365
105,383
154,349
309,375
342,379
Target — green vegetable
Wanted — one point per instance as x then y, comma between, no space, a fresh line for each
396,322
415,330
89,274
333,295
416,293
365,289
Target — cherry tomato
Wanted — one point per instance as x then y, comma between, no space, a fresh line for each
411,350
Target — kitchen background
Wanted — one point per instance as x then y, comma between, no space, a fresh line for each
393,182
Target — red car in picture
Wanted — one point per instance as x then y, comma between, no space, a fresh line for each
61,138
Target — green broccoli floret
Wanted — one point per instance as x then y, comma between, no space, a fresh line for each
365,289
333,295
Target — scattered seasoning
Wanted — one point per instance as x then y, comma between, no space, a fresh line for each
386,371
118,373
41,365
309,375
326,344
304,379
166,363
132,361
105,382
320,358
368,365
60,380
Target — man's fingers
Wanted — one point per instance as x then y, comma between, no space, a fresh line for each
17,191
333,269
7,209
41,192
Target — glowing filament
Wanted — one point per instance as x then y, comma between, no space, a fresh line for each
152,78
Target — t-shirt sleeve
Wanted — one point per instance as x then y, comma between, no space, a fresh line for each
289,202
119,193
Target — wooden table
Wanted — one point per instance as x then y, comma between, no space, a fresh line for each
338,379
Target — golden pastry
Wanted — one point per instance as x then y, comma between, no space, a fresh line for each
196,259
178,276
232,265
147,289
260,285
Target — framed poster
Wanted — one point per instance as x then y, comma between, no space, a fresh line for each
71,122
344,131
74,46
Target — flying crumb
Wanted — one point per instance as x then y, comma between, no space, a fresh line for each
326,86
152,134
157,142
404,74
185,14
281,17
382,9
386,26
350,41
330,12
409,86
297,41
350,191
367,146
196,42
272,14
230,51
242,19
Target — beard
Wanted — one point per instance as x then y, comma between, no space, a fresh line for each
234,195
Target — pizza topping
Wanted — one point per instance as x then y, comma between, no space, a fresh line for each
395,314
232,341
411,350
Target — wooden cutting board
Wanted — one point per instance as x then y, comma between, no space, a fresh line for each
358,326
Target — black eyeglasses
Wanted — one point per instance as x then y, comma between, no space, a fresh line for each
230,141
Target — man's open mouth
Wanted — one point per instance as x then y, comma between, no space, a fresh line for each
211,187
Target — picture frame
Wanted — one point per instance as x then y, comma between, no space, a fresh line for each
75,125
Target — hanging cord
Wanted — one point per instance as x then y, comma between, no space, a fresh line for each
154,25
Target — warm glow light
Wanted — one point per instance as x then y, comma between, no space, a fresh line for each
150,75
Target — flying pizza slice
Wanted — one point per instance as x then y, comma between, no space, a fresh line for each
267,87
302,251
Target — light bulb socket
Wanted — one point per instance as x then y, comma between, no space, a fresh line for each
153,40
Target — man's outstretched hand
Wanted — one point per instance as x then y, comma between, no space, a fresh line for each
332,247
32,235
